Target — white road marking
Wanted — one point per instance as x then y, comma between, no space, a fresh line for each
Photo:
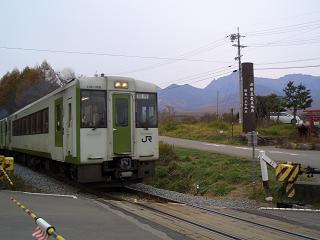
290,209
249,148
46,194
213,144
243,148
293,154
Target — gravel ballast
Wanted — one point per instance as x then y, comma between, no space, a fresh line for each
196,200
41,182
46,184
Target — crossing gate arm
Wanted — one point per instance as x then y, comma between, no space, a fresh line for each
264,160
287,173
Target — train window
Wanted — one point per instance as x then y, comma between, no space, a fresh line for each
93,109
33,123
13,129
146,110
28,125
23,126
19,127
9,131
121,112
58,118
45,121
69,115
39,122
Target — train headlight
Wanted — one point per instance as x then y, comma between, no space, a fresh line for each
124,85
121,84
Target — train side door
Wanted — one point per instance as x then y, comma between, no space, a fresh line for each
68,129
121,112
58,115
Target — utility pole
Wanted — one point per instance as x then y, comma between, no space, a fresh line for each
233,37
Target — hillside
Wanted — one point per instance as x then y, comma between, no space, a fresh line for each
189,98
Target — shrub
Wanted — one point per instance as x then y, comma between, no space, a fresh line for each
189,119
220,125
207,117
166,153
221,189
170,126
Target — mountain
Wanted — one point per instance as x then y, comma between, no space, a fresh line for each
189,98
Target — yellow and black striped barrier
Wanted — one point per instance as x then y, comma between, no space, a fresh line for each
1,162
46,227
6,164
4,173
288,174
290,190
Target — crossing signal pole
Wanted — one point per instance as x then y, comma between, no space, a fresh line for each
236,37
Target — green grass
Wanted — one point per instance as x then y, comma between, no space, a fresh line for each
287,130
181,170
220,131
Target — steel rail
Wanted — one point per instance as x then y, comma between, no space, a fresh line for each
255,223
168,215
230,216
191,222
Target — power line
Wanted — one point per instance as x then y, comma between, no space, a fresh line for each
200,80
279,40
295,42
109,54
292,67
197,75
267,23
293,27
187,54
290,61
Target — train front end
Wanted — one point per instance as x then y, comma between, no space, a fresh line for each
118,130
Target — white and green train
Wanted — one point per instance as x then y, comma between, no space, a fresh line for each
94,129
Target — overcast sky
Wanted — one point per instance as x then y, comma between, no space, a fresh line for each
276,31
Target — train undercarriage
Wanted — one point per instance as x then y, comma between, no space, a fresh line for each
121,170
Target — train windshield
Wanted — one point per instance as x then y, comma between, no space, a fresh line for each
93,109
146,110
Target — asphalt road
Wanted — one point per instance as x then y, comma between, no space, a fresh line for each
79,219
306,158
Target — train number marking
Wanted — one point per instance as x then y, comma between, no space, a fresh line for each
147,138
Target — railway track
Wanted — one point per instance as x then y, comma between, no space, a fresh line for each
196,221
172,217
282,231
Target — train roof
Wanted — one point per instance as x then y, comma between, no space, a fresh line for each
135,85
108,83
